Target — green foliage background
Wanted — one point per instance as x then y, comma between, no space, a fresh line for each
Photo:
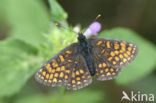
33,38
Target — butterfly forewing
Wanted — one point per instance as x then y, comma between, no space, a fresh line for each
110,56
67,68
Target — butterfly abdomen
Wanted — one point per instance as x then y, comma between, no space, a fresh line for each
85,51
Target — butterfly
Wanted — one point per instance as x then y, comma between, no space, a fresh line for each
76,65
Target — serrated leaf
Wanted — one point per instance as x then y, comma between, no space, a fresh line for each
17,63
57,12
145,60
28,19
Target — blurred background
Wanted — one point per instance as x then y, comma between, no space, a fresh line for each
28,38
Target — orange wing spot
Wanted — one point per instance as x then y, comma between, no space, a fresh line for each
134,48
44,73
73,81
68,52
106,70
99,43
53,71
106,53
68,85
83,77
61,58
69,60
47,76
61,74
49,69
66,76
42,77
100,65
76,62
123,44
58,69
78,78
103,51
40,70
133,51
47,66
116,52
62,68
114,62
116,46
130,44
49,81
51,76
60,81
125,55
54,80
110,58
113,73
112,53
77,73
73,75
108,74
121,63
81,71
129,48
111,69
128,53
89,76
101,71
104,64
55,64
117,58
129,58
123,49
124,60
68,71
56,74
108,44
121,56
78,82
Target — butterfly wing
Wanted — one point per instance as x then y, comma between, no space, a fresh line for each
110,56
67,68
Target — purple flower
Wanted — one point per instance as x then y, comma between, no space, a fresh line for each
93,29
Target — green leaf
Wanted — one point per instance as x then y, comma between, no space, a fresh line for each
56,41
145,85
145,60
28,20
57,11
78,97
17,63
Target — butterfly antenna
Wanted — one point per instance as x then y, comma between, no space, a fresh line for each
97,17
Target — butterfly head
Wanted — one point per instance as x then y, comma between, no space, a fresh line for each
81,37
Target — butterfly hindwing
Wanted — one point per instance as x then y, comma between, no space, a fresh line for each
64,69
110,56
80,76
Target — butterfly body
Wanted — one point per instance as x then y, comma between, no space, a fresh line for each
74,66
85,50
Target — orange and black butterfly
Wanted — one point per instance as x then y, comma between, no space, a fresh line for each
75,66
